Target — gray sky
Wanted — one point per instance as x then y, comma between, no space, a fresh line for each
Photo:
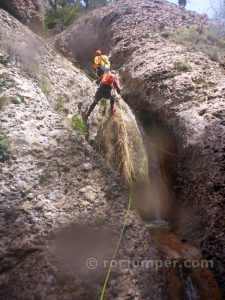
201,6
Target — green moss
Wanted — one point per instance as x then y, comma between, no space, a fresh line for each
146,35
79,125
182,66
5,150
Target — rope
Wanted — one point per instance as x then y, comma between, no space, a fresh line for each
185,155
123,228
117,246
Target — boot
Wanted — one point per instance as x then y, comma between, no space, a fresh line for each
87,115
113,110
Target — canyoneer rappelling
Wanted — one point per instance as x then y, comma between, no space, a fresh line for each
101,63
108,82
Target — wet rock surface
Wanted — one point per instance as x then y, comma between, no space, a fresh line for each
189,102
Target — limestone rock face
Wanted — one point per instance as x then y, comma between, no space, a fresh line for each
60,203
190,103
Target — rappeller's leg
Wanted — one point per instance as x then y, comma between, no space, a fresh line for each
98,97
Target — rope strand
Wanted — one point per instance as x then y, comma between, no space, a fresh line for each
124,224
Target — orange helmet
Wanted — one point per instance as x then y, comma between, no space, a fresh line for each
98,53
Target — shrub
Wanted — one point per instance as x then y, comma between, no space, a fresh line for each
146,35
209,40
79,125
67,11
182,66
97,3
51,20
63,16
5,151
6,82
4,59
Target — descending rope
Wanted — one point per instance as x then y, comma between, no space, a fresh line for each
117,246
185,155
124,223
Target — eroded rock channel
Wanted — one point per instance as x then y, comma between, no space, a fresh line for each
159,208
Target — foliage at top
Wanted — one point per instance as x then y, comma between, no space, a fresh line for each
64,12
63,16
208,40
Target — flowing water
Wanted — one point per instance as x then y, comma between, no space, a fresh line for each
190,276
192,282
189,288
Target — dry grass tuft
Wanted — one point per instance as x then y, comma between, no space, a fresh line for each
113,143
